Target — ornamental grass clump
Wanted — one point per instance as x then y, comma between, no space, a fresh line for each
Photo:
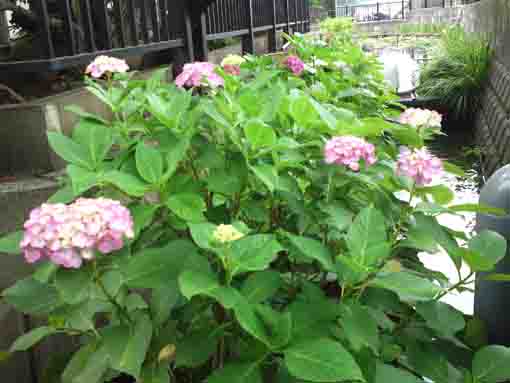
253,232
457,72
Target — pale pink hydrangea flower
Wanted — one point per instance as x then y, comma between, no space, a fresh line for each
419,165
349,151
232,64
106,64
421,117
233,70
295,64
69,234
199,74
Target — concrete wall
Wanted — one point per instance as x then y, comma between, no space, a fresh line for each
492,127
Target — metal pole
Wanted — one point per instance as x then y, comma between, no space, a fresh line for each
403,9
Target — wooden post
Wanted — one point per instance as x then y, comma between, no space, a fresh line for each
249,39
273,43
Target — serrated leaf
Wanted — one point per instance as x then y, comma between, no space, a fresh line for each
389,374
261,285
82,179
441,317
441,194
142,216
73,285
193,283
32,297
492,364
486,249
254,253
360,327
96,138
157,267
259,134
321,360
196,348
149,163
187,206
69,150
367,238
127,349
126,182
237,373
29,339
10,243
409,287
314,249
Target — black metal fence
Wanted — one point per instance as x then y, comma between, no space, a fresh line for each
71,32
376,11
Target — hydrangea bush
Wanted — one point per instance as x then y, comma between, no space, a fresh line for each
248,228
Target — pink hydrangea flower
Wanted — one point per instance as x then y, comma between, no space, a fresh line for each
419,165
232,64
69,234
295,64
349,151
106,64
199,74
234,70
421,117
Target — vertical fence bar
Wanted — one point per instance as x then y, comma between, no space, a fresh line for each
145,25
189,34
107,24
132,21
89,25
273,43
403,9
121,24
164,20
249,40
156,26
47,29
287,14
203,23
69,25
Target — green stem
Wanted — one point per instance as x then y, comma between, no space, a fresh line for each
455,286
110,298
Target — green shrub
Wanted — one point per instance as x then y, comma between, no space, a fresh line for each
457,72
252,259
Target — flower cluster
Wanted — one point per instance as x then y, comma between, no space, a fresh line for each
418,164
348,151
106,64
227,233
199,74
232,64
69,234
421,117
295,64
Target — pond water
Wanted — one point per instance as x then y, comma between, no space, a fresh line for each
458,148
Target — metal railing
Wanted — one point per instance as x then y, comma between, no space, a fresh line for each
375,11
71,32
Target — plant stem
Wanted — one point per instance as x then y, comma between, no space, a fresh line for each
455,286
112,299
